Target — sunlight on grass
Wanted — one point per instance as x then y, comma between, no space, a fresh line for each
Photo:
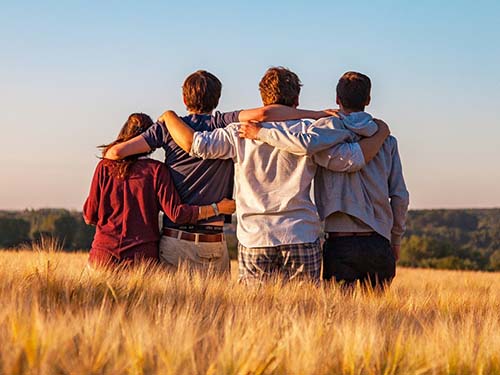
58,317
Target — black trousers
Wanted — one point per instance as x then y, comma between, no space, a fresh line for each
368,259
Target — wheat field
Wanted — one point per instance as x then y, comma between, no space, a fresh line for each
58,317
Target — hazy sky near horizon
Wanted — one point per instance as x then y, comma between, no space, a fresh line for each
71,73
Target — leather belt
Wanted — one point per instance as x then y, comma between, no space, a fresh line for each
194,237
348,234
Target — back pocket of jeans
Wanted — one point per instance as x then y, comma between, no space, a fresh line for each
211,251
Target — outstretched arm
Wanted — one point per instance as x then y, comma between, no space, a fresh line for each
278,112
311,139
154,137
217,144
182,213
134,146
318,138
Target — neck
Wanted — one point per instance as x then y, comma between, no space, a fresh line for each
199,113
347,111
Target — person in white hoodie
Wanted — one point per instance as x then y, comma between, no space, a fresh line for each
364,211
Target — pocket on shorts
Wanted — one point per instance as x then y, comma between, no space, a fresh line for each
210,250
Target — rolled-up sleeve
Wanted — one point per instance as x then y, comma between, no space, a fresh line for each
217,144
345,157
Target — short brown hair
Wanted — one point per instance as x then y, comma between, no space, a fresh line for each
353,90
201,91
280,86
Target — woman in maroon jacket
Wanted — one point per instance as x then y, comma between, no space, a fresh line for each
125,199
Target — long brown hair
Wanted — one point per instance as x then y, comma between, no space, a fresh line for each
137,123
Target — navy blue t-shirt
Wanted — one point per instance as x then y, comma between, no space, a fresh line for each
198,181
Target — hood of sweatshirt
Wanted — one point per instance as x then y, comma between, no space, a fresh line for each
360,123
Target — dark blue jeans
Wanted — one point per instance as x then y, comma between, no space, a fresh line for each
368,259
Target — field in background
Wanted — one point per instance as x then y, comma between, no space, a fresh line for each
466,239
57,317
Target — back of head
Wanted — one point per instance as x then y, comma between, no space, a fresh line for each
201,92
136,124
280,86
353,91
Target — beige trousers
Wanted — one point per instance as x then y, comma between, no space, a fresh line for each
201,256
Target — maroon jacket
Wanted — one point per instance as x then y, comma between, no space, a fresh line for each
125,211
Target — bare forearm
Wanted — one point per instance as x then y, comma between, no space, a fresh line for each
181,133
136,145
278,112
205,212
224,207
371,146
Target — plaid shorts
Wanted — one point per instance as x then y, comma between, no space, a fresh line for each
295,261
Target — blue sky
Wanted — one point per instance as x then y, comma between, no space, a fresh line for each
71,73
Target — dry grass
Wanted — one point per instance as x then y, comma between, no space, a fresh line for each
56,317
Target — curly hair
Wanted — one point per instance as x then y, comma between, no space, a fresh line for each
280,86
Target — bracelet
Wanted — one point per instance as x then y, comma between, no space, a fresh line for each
216,209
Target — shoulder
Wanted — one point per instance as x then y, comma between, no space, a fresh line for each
292,125
222,119
391,145
229,129
328,123
392,141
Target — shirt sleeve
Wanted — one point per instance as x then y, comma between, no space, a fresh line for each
156,136
344,157
170,201
217,144
223,119
398,194
313,139
91,206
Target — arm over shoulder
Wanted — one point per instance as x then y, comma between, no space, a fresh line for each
344,157
314,138
169,198
217,144
223,119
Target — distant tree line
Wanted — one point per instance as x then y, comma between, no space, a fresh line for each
19,228
451,239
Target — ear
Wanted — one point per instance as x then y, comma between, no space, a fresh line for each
337,100
367,103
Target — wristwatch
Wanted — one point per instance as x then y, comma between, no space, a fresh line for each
216,209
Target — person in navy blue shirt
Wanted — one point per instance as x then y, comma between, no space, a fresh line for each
200,182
